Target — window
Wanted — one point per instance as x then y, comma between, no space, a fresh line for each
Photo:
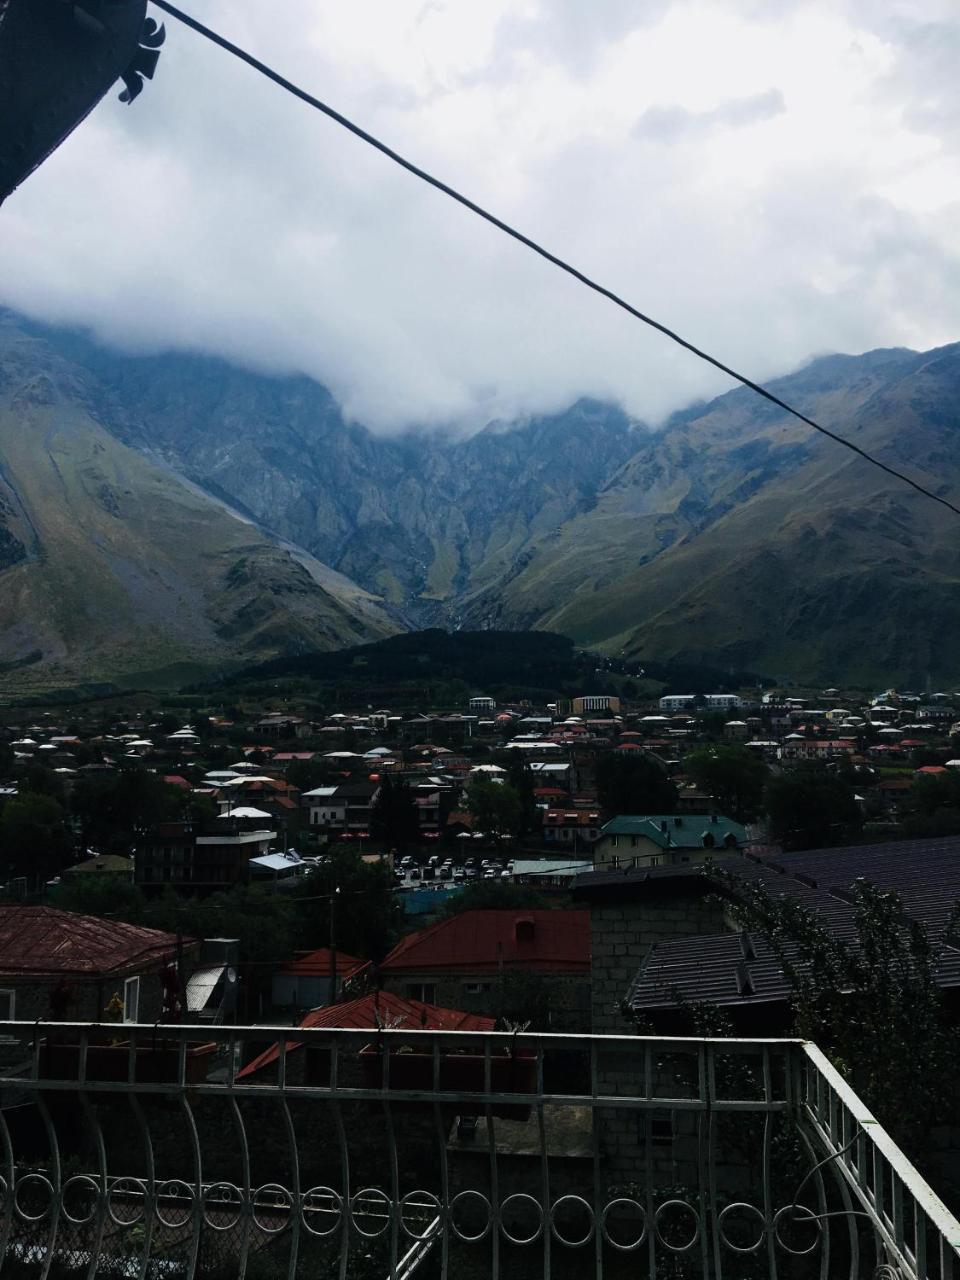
425,991
131,999
615,861
8,1006
475,988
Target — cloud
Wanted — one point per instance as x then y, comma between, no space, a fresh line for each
671,124
787,190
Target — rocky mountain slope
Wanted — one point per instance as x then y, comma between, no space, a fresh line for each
733,534
740,536
111,564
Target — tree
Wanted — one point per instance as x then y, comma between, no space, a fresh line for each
734,776
393,816
307,774
870,1001
113,807
101,895
809,808
628,782
34,840
497,895
497,807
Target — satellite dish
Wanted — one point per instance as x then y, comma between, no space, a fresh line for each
57,60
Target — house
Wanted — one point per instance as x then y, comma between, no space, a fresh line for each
65,967
462,961
344,807
662,937
652,840
374,1010
305,982
190,858
325,807
557,873
104,865
595,702
570,828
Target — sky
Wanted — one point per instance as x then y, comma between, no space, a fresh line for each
775,180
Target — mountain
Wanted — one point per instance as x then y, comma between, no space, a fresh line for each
113,565
731,535
423,520
740,536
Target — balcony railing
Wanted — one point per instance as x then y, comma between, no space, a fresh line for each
149,1153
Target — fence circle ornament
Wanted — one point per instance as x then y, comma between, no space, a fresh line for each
580,1203
79,1183
623,1203
420,1200
134,1188
518,1198
799,1214
743,1206
27,1181
319,1201
272,1198
182,1191
688,1208
462,1197
371,1196
221,1198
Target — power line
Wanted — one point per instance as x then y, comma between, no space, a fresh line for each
537,248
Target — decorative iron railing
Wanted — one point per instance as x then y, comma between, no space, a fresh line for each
156,1153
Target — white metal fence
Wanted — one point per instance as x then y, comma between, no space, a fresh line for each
148,1153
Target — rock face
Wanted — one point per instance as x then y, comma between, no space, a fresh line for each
734,534
112,565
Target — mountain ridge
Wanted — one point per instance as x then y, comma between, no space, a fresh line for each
732,534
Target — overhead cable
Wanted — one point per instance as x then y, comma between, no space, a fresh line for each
537,248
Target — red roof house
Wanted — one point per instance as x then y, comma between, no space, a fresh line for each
486,941
64,966
378,1009
464,960
304,983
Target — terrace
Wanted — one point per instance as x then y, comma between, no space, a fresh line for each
135,1151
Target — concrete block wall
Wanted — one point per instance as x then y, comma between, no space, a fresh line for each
621,935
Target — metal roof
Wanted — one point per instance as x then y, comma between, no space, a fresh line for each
484,940
676,830
727,969
41,941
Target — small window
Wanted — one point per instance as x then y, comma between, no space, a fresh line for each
131,999
475,988
615,862
8,1007
661,1131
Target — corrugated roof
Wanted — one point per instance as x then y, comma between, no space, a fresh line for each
478,940
43,941
375,1010
924,873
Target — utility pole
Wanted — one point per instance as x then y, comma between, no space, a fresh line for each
333,944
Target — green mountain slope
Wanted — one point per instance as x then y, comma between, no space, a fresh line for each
112,565
732,535
740,536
